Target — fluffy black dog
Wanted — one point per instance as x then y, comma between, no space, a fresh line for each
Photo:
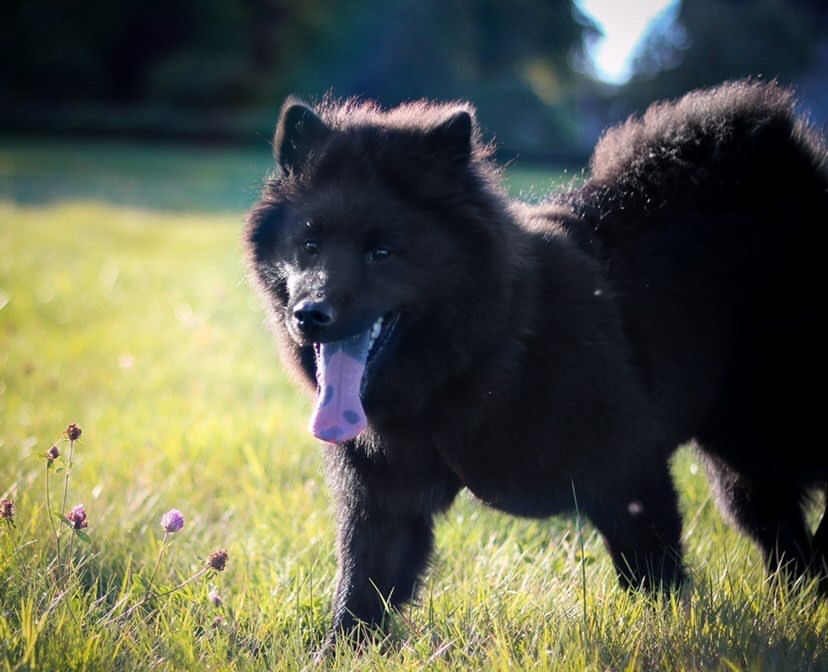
535,354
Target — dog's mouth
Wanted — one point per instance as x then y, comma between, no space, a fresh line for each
343,369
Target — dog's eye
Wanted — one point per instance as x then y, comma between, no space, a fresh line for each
310,246
379,254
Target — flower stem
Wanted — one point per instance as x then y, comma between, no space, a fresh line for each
195,576
148,596
69,559
157,562
66,477
51,516
10,530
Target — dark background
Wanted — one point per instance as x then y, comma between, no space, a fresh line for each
218,70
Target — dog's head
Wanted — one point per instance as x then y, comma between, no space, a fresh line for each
376,224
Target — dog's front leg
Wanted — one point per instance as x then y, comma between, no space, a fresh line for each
384,539
380,559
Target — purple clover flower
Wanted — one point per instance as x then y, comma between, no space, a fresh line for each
215,597
7,510
77,516
172,521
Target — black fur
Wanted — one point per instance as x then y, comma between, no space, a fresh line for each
567,346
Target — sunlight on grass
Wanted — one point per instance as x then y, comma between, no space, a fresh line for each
137,323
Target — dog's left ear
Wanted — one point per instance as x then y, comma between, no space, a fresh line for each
453,136
298,133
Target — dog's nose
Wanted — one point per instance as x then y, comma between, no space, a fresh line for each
313,316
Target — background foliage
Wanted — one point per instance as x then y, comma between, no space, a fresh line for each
218,69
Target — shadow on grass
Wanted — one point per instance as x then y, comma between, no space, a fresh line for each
168,177
147,176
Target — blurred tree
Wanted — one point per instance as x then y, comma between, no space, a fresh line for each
512,59
182,51
711,41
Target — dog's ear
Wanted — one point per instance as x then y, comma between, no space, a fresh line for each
453,136
298,133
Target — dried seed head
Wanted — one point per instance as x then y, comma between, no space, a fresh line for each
7,510
77,516
73,432
172,521
53,453
217,560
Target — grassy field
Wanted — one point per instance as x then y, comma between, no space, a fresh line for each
124,308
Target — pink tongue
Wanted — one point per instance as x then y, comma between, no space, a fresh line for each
339,415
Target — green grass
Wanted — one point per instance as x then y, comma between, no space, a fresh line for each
124,307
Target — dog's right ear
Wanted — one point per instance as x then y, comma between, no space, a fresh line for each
298,133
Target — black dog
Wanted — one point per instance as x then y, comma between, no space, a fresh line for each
535,354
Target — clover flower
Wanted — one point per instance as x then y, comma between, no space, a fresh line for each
53,453
217,560
73,432
172,521
214,597
77,516
7,510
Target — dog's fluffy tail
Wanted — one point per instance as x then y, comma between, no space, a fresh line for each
737,146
